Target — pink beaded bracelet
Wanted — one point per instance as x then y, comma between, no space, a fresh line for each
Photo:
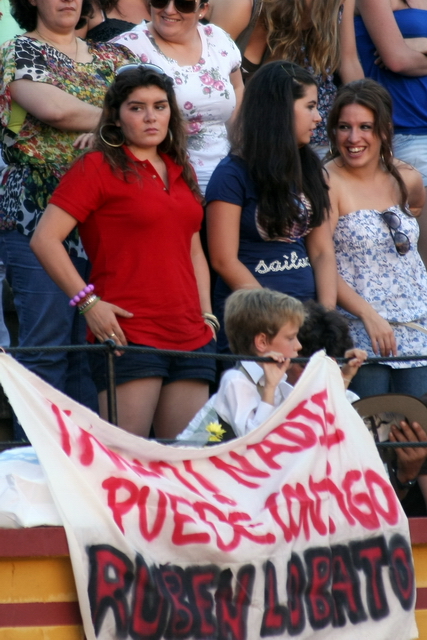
81,294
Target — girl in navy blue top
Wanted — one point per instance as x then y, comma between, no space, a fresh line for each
267,213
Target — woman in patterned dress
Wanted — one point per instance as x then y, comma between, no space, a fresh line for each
205,66
52,86
375,198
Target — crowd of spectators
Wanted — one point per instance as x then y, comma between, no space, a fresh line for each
266,91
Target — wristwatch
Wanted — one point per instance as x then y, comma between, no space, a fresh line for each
402,485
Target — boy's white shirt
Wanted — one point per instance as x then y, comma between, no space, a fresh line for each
238,401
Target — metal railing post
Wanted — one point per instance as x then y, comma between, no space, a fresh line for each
111,381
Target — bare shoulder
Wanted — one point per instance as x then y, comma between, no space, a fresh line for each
408,172
333,173
414,184
410,175
335,181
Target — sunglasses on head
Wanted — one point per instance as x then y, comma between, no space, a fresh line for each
400,239
183,6
133,67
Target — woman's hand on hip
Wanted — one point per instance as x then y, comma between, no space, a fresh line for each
102,321
380,333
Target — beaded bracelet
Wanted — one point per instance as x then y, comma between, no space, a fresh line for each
81,295
90,302
83,300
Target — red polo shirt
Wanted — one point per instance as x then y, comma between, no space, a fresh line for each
137,235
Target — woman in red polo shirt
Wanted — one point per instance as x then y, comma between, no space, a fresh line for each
138,208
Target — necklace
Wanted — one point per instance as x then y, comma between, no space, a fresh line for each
55,45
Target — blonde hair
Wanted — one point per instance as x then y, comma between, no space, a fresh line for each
319,44
249,312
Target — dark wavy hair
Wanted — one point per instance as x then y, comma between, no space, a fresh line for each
25,14
371,95
175,145
324,329
264,136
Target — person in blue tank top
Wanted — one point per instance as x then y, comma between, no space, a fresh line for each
391,38
267,202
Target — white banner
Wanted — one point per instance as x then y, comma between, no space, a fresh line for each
292,530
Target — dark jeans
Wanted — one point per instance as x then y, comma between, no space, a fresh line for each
375,379
45,318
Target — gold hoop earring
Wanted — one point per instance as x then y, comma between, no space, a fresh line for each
112,144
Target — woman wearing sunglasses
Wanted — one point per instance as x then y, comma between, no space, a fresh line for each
139,214
382,287
205,66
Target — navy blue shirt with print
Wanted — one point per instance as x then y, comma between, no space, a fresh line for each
281,264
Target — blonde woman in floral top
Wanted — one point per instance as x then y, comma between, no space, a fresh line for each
205,65
51,89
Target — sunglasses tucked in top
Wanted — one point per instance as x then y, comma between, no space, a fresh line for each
400,239
183,6
134,66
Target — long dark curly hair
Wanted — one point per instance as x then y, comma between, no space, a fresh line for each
175,144
264,137
26,13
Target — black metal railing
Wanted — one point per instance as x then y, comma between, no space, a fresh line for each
109,347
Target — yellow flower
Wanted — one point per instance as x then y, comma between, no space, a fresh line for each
216,431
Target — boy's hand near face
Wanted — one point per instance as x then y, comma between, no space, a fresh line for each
273,373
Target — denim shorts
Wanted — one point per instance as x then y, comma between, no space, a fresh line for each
413,150
135,366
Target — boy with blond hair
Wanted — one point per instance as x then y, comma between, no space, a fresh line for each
258,322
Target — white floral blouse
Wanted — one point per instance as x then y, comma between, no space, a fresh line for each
204,92
394,285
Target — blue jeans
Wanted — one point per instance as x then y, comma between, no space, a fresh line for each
375,379
46,319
